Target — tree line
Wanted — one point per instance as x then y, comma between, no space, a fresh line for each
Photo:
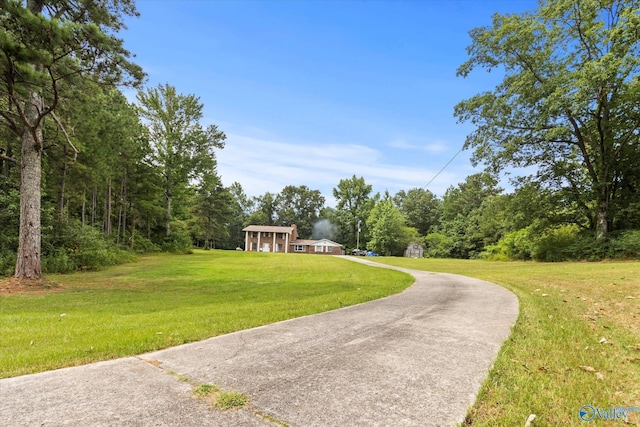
473,219
87,178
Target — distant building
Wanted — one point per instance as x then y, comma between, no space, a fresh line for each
269,238
414,250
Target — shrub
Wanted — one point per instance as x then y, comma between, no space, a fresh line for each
554,244
179,241
586,247
626,244
73,247
517,245
142,245
58,262
438,245
7,262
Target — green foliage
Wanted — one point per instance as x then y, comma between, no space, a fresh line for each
468,218
204,390
516,245
7,261
231,400
142,245
563,243
212,210
298,205
627,244
179,241
241,207
438,245
389,234
420,208
9,214
555,244
353,206
567,103
181,147
72,247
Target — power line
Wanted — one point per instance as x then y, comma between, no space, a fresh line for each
444,167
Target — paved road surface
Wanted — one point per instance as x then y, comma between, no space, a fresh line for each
412,359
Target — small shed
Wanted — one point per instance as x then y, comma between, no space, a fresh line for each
414,250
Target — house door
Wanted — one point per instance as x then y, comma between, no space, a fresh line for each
266,247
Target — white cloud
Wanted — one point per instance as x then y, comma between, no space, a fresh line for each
262,165
435,147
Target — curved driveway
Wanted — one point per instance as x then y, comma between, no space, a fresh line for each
417,358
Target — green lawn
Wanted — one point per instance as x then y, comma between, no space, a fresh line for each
573,317
167,300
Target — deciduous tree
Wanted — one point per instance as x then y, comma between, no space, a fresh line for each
182,148
353,206
419,207
300,206
569,103
387,227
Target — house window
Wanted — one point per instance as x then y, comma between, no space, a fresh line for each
254,234
280,236
298,248
329,248
254,246
278,247
318,248
266,234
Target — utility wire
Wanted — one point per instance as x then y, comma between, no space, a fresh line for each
444,167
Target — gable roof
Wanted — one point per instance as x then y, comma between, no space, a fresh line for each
321,242
269,229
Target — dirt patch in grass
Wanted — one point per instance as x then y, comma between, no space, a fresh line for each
13,286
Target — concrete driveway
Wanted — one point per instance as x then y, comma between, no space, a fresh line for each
417,358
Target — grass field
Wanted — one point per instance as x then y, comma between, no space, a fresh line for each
576,341
165,300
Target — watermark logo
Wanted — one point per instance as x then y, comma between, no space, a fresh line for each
590,413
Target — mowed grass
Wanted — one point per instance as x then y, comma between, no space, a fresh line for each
166,300
573,317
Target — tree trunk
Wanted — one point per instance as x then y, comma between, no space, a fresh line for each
84,207
94,206
107,210
124,206
207,234
63,173
7,162
167,212
602,214
29,264
148,226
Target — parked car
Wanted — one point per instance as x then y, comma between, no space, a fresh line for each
359,252
371,253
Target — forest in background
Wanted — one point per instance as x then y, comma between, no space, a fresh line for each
121,178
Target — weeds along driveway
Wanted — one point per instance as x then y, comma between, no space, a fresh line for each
417,358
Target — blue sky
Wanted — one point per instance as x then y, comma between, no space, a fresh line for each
311,92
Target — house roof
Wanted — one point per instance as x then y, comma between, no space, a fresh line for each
322,242
268,229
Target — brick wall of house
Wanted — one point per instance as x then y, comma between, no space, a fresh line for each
266,237
310,249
